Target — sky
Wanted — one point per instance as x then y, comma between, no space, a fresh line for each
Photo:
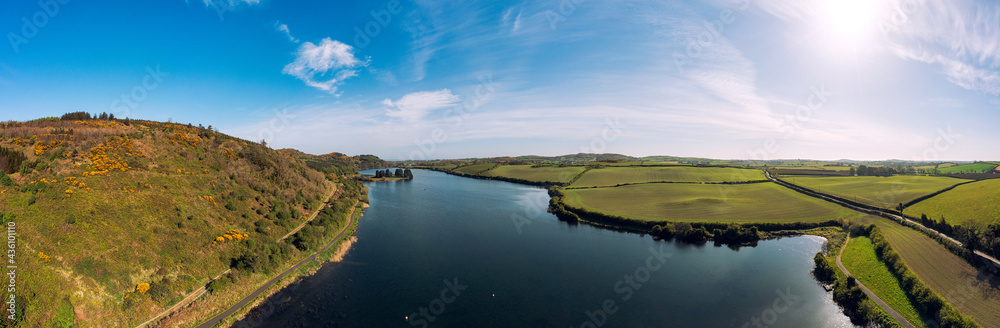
401,79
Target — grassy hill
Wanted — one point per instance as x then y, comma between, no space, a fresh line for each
118,219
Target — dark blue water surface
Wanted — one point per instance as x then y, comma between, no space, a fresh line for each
448,251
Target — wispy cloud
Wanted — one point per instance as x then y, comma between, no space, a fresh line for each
959,37
284,28
230,3
323,66
416,105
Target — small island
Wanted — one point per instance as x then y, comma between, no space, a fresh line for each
389,175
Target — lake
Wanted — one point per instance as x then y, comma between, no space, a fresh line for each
447,251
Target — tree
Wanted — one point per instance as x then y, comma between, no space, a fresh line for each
399,173
378,174
408,174
111,117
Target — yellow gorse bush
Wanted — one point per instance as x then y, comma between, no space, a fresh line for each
111,156
142,288
231,235
97,124
184,139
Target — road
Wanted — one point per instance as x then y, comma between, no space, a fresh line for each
187,300
201,291
215,320
898,218
882,304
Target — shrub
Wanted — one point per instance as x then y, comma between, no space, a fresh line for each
160,291
142,288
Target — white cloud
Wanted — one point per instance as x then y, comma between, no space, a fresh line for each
959,37
230,3
414,106
284,28
314,62
958,72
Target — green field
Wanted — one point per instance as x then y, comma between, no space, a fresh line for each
946,274
884,192
611,176
859,258
813,167
978,201
758,202
474,168
541,174
982,167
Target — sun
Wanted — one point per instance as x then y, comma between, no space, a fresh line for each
849,19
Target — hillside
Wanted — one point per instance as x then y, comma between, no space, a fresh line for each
118,219
337,163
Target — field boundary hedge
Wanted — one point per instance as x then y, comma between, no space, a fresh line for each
925,299
680,182
925,197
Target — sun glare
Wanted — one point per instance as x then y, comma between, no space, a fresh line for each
851,18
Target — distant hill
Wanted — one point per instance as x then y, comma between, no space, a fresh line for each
103,206
337,163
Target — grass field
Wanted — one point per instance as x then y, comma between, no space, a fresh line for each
982,167
946,274
611,176
544,173
813,167
860,259
474,168
884,192
978,201
759,202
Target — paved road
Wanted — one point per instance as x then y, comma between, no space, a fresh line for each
897,217
201,291
882,304
215,320
187,300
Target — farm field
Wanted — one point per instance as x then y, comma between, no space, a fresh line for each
813,167
859,258
982,167
758,202
884,192
946,274
977,202
611,176
474,168
544,173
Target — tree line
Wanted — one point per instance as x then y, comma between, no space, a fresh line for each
398,173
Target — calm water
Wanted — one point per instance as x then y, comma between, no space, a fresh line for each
508,263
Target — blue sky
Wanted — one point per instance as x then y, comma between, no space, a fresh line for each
763,79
